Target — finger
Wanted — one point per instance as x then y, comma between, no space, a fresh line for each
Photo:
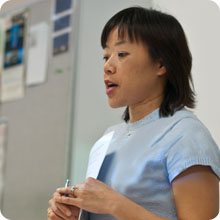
52,216
68,201
74,210
64,208
56,194
67,190
60,209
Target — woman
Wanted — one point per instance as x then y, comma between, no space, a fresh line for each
161,163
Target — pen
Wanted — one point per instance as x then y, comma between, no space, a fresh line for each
66,185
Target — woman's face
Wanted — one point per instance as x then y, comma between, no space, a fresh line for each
130,76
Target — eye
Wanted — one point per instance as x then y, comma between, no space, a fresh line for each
122,54
105,58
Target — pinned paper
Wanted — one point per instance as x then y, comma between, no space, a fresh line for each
38,48
62,5
12,74
61,44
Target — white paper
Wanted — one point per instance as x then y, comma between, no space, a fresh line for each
12,83
37,54
97,155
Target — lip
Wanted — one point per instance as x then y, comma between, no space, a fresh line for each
110,90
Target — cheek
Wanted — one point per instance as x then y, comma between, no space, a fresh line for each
136,78
139,85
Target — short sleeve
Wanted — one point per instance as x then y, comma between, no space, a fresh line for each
194,146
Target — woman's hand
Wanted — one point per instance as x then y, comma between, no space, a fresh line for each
92,195
58,211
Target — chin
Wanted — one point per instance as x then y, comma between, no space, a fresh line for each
116,105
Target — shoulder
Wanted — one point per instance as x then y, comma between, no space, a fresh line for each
185,123
191,132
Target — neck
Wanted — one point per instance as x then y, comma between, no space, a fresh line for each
140,110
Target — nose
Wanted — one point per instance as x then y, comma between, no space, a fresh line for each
109,66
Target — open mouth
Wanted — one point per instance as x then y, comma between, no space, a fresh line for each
111,85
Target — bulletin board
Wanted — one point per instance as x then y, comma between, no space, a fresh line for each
39,117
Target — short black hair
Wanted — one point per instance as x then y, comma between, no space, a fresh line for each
166,41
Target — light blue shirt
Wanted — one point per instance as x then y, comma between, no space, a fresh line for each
145,156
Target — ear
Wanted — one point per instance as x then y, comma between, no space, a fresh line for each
161,68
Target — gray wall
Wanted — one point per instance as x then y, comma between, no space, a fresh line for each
39,129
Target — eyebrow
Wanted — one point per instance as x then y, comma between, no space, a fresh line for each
117,44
